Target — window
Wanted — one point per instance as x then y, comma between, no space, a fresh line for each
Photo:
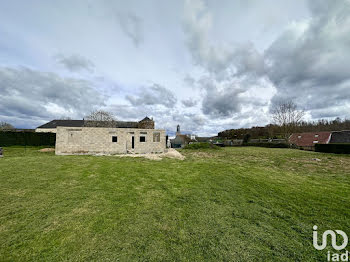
315,142
114,139
142,139
156,137
299,137
316,135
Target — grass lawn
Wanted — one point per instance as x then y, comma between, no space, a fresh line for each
233,204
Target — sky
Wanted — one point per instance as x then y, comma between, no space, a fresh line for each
203,64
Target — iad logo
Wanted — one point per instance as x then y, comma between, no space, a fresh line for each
333,238
334,256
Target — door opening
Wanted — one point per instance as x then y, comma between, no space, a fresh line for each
132,142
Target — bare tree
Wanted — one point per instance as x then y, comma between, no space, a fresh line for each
5,126
288,117
100,118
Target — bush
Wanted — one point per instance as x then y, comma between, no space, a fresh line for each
333,148
269,145
202,145
246,138
13,138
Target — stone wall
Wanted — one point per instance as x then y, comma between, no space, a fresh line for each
94,140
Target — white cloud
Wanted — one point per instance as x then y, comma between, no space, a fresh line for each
131,25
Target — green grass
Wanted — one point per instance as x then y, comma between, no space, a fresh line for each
201,145
234,204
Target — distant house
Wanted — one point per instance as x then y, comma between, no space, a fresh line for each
182,140
51,126
308,140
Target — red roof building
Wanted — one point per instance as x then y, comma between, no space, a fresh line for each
308,140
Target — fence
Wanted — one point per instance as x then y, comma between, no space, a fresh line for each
333,148
16,138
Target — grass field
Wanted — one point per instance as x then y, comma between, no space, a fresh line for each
233,204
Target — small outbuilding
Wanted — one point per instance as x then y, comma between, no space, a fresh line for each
102,140
118,137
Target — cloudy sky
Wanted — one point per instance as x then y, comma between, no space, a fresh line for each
206,65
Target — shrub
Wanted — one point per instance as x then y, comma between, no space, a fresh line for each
201,145
13,138
246,138
333,148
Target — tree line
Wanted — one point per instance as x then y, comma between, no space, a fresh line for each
276,131
286,119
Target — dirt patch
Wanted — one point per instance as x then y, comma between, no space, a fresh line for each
45,150
171,153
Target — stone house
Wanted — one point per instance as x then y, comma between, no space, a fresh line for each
95,140
117,137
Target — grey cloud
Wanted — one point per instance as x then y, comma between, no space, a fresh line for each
75,63
189,80
224,64
189,102
248,60
223,59
130,112
132,27
29,94
332,112
154,95
309,62
189,123
220,102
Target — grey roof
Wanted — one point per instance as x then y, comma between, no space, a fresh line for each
146,119
123,124
80,123
69,123
340,137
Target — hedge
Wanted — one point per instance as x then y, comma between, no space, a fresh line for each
12,138
201,145
269,145
333,148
